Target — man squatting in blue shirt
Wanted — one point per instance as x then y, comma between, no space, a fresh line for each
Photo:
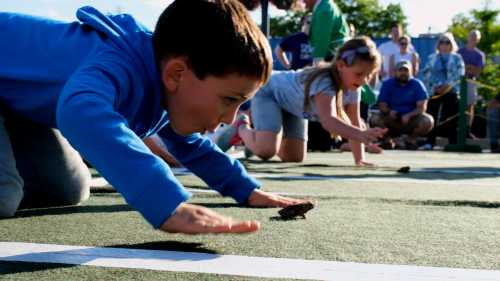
106,82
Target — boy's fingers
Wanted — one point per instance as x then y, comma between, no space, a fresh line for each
235,227
192,219
263,199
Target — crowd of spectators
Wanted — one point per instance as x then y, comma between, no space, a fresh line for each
416,102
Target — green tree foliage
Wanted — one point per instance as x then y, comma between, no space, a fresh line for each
367,16
287,24
370,18
485,20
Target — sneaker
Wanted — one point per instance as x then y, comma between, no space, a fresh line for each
227,136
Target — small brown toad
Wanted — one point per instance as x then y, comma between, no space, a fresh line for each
404,170
297,210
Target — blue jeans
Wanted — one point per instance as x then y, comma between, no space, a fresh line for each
38,168
493,126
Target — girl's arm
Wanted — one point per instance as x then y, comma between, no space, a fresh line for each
358,148
325,105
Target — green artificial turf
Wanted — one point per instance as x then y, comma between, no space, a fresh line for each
452,220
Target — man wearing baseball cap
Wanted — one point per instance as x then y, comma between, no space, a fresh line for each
402,103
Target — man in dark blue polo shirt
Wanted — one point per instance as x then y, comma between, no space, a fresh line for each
403,102
298,45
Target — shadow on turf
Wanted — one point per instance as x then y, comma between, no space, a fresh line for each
448,173
220,205
279,218
72,210
439,203
168,246
13,267
429,174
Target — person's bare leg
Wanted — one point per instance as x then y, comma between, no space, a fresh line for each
470,120
264,144
292,150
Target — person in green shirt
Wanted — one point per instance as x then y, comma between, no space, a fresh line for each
329,29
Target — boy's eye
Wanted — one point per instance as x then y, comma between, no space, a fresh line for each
231,100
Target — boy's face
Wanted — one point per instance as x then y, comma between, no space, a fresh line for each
354,76
196,105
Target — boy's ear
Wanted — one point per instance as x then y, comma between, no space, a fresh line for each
172,73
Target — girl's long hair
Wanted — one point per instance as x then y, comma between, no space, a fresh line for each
354,50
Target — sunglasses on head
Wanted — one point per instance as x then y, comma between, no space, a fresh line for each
349,55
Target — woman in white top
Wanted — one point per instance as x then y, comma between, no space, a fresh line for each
404,54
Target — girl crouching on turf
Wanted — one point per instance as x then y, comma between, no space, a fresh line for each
321,93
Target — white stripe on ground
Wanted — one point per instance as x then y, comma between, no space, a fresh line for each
233,265
101,182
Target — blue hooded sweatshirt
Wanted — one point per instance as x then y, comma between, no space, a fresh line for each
96,80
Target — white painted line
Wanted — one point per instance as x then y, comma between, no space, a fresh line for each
234,265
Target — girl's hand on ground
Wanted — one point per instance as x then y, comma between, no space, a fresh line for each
263,199
192,219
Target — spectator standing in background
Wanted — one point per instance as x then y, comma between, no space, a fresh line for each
388,49
329,29
298,45
404,54
442,76
474,60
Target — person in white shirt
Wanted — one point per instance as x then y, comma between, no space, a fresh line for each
389,48
404,54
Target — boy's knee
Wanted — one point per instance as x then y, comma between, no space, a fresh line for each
76,187
10,197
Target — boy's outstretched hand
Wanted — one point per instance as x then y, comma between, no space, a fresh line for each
263,199
192,219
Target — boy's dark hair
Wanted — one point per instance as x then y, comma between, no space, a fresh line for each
217,37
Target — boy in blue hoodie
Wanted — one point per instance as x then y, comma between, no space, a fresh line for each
105,83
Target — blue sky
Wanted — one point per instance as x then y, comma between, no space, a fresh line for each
422,14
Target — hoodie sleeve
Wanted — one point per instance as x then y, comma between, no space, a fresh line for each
87,118
214,167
